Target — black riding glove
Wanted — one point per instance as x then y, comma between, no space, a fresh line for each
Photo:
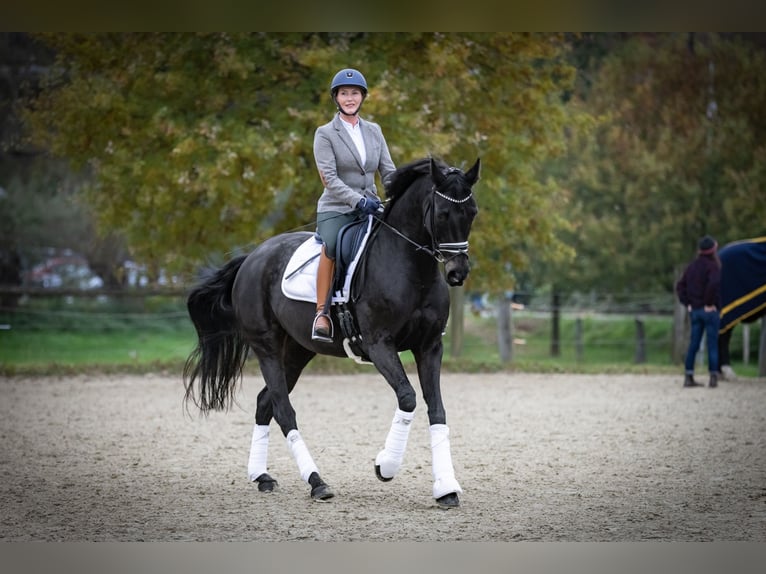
368,205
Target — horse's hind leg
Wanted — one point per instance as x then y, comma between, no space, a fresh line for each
280,379
297,358
259,445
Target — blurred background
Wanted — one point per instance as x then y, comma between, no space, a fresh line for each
130,161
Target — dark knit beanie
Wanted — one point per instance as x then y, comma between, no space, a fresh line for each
707,245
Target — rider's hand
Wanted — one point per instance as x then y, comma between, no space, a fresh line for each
368,205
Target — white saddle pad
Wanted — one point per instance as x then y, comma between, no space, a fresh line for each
299,280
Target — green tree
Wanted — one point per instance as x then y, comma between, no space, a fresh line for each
678,153
40,204
201,143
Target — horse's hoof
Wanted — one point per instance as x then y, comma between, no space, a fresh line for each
380,476
448,501
266,483
320,491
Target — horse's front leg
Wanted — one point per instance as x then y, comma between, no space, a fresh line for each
446,486
389,460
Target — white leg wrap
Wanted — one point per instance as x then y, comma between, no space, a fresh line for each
444,473
259,450
300,453
390,458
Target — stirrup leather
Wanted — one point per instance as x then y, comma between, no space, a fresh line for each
317,336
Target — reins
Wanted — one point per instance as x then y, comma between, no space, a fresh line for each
420,247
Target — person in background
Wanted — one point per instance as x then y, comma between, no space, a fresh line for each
348,151
699,291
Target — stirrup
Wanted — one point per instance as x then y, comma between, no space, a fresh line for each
319,337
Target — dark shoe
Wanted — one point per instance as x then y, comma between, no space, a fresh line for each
322,329
713,380
690,382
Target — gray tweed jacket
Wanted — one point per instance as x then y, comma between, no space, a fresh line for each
344,177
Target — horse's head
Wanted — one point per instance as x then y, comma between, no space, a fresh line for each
450,216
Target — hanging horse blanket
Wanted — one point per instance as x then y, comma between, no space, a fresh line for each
743,281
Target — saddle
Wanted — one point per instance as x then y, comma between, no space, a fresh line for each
299,279
352,238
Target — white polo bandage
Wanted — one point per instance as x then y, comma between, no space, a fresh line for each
444,473
300,453
259,451
390,458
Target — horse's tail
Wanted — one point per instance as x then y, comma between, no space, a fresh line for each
216,363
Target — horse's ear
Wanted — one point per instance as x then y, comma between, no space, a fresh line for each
472,175
436,174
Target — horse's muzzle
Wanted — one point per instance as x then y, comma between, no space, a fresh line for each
456,270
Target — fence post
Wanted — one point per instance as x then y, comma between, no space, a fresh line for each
578,340
680,330
640,341
556,324
745,343
762,349
504,329
457,305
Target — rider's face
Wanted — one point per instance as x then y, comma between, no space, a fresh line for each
349,98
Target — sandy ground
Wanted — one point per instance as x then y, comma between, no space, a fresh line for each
539,457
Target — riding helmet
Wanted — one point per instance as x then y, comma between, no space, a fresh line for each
348,77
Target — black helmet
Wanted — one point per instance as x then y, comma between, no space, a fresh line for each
348,77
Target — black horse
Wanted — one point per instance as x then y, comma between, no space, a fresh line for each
401,302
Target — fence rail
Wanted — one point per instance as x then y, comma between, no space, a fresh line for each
54,292
82,309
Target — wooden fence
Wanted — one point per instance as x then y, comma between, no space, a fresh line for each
504,310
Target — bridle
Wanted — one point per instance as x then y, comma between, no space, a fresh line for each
454,249
437,249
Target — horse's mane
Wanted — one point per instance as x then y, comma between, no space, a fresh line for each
406,175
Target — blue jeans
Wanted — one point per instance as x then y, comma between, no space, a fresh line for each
703,322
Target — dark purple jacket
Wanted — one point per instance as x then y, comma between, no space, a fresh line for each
700,284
